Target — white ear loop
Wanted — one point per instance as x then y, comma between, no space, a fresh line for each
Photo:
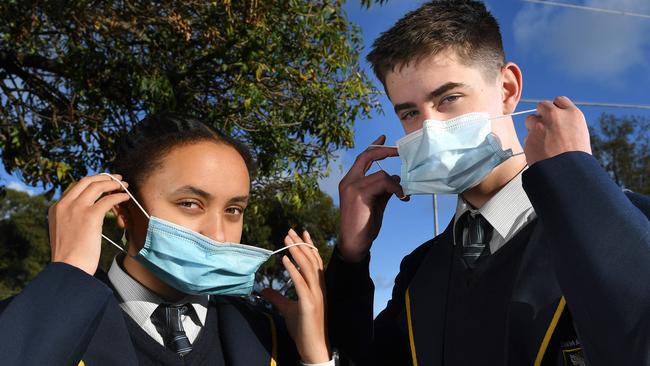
293,245
134,200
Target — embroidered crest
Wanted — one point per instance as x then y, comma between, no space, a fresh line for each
573,357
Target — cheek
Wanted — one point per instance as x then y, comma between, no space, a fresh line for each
233,231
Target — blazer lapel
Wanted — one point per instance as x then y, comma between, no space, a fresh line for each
426,302
248,337
536,305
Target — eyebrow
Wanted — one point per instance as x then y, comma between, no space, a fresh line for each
194,190
434,94
238,199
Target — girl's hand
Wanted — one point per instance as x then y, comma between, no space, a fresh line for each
76,220
305,318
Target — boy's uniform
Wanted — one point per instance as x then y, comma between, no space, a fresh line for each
569,285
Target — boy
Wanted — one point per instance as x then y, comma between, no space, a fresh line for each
546,259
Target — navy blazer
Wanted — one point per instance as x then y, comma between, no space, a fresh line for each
584,278
66,317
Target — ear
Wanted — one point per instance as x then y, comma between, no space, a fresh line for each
512,84
121,215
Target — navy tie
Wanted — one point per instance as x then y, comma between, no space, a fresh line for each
168,322
476,234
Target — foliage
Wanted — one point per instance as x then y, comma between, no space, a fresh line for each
269,221
282,76
24,244
622,145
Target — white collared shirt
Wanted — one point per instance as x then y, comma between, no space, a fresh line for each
140,302
508,212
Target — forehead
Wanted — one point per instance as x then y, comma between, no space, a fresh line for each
215,168
431,72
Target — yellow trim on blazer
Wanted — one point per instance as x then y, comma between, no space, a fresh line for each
409,323
549,331
274,341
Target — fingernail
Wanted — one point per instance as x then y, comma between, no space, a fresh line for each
291,231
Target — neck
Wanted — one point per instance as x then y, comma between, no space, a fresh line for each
479,195
148,280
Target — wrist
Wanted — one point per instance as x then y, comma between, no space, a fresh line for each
351,254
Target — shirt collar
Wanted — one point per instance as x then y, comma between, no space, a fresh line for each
504,210
140,302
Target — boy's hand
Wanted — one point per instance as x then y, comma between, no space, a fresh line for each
558,127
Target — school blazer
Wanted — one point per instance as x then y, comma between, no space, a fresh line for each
582,292
66,317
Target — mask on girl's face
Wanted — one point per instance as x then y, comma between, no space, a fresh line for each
450,156
195,264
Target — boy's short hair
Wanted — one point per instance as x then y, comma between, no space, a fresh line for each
465,26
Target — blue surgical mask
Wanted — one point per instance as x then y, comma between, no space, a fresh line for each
195,264
449,157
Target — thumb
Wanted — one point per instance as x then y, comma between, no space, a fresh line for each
280,302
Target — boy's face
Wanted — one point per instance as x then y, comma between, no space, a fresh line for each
440,87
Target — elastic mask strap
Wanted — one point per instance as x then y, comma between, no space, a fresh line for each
134,200
514,114
129,193
293,245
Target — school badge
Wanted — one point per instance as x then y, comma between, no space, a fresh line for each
573,357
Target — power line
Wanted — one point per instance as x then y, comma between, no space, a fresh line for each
596,104
590,8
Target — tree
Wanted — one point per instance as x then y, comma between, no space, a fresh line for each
622,145
282,76
267,224
24,244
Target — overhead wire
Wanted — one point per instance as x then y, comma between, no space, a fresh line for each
589,8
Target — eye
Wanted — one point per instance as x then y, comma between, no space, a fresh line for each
408,115
450,99
189,205
235,210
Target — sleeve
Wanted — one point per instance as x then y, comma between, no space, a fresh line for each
53,319
359,339
600,245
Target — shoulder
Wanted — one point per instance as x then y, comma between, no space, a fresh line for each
642,202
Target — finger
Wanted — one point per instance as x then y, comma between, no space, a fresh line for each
95,190
364,160
531,121
315,253
280,302
76,188
305,250
379,183
563,102
544,108
301,286
107,202
307,267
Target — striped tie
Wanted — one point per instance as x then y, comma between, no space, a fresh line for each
476,235
168,321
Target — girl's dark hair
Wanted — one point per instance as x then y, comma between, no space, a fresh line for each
143,148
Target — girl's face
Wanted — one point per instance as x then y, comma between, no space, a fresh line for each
203,186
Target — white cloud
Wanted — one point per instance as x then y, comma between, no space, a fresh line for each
17,186
587,44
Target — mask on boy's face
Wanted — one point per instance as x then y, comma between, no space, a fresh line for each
450,156
195,264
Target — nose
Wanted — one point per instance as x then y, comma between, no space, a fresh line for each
214,228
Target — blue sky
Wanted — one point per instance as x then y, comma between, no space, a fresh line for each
585,55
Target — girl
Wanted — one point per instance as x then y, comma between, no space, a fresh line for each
169,299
